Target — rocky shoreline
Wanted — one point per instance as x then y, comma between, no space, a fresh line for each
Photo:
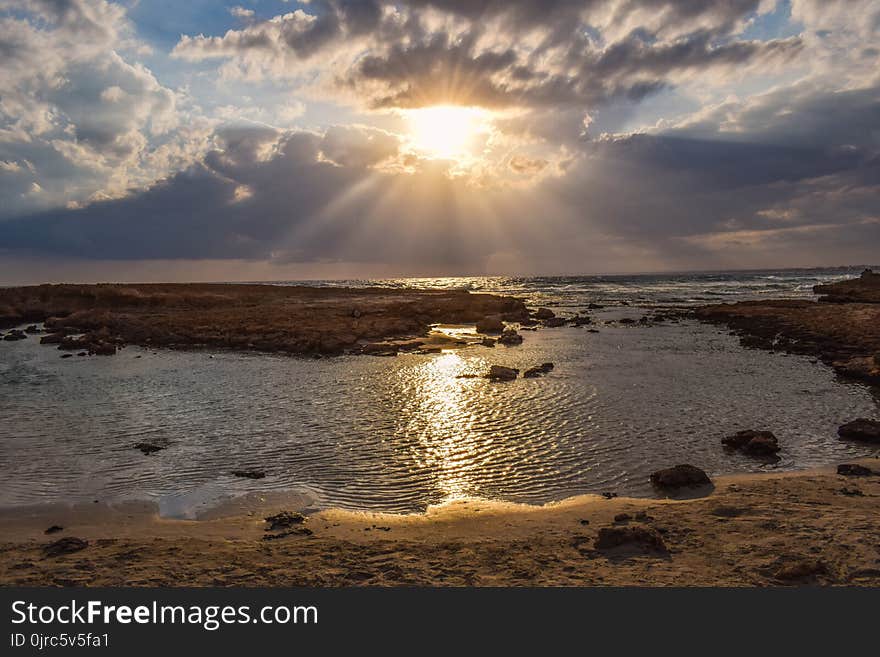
842,328
99,319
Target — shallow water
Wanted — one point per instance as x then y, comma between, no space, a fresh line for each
401,433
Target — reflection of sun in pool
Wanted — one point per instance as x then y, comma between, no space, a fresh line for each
444,423
447,131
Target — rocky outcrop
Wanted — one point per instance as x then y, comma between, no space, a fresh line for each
501,373
854,470
862,429
864,289
13,335
510,338
271,318
643,538
680,476
493,324
539,370
753,443
554,322
66,545
544,314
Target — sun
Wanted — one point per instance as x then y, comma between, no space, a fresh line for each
447,131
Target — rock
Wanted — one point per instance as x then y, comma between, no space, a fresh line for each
501,373
851,492
595,306
609,495
581,320
102,348
540,370
33,328
554,322
645,538
52,338
14,334
627,320
726,511
296,531
854,470
488,342
284,519
249,474
861,429
509,337
592,330
65,545
622,517
754,443
544,313
491,324
54,529
680,476
149,448
67,355
801,569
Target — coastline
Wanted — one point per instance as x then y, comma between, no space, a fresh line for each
791,528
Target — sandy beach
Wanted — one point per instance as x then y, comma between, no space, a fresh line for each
803,528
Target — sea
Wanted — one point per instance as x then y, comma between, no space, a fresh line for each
401,434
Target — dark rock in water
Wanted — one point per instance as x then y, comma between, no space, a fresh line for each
501,373
644,538
249,474
509,337
102,348
861,429
149,448
52,338
33,328
580,320
609,495
627,320
283,520
54,529
492,324
801,569
540,370
86,353
554,322
65,545
680,476
854,470
544,313
488,342
595,306
67,355
755,443
14,334
592,330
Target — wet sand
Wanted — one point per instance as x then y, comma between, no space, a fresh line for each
803,528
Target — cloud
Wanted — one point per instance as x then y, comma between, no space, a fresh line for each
85,119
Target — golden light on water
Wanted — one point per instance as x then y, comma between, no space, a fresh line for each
448,131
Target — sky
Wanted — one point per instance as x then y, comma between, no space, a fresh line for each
273,139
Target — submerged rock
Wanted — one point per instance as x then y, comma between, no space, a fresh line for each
501,373
754,443
544,314
680,476
861,429
554,322
249,474
540,370
149,448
